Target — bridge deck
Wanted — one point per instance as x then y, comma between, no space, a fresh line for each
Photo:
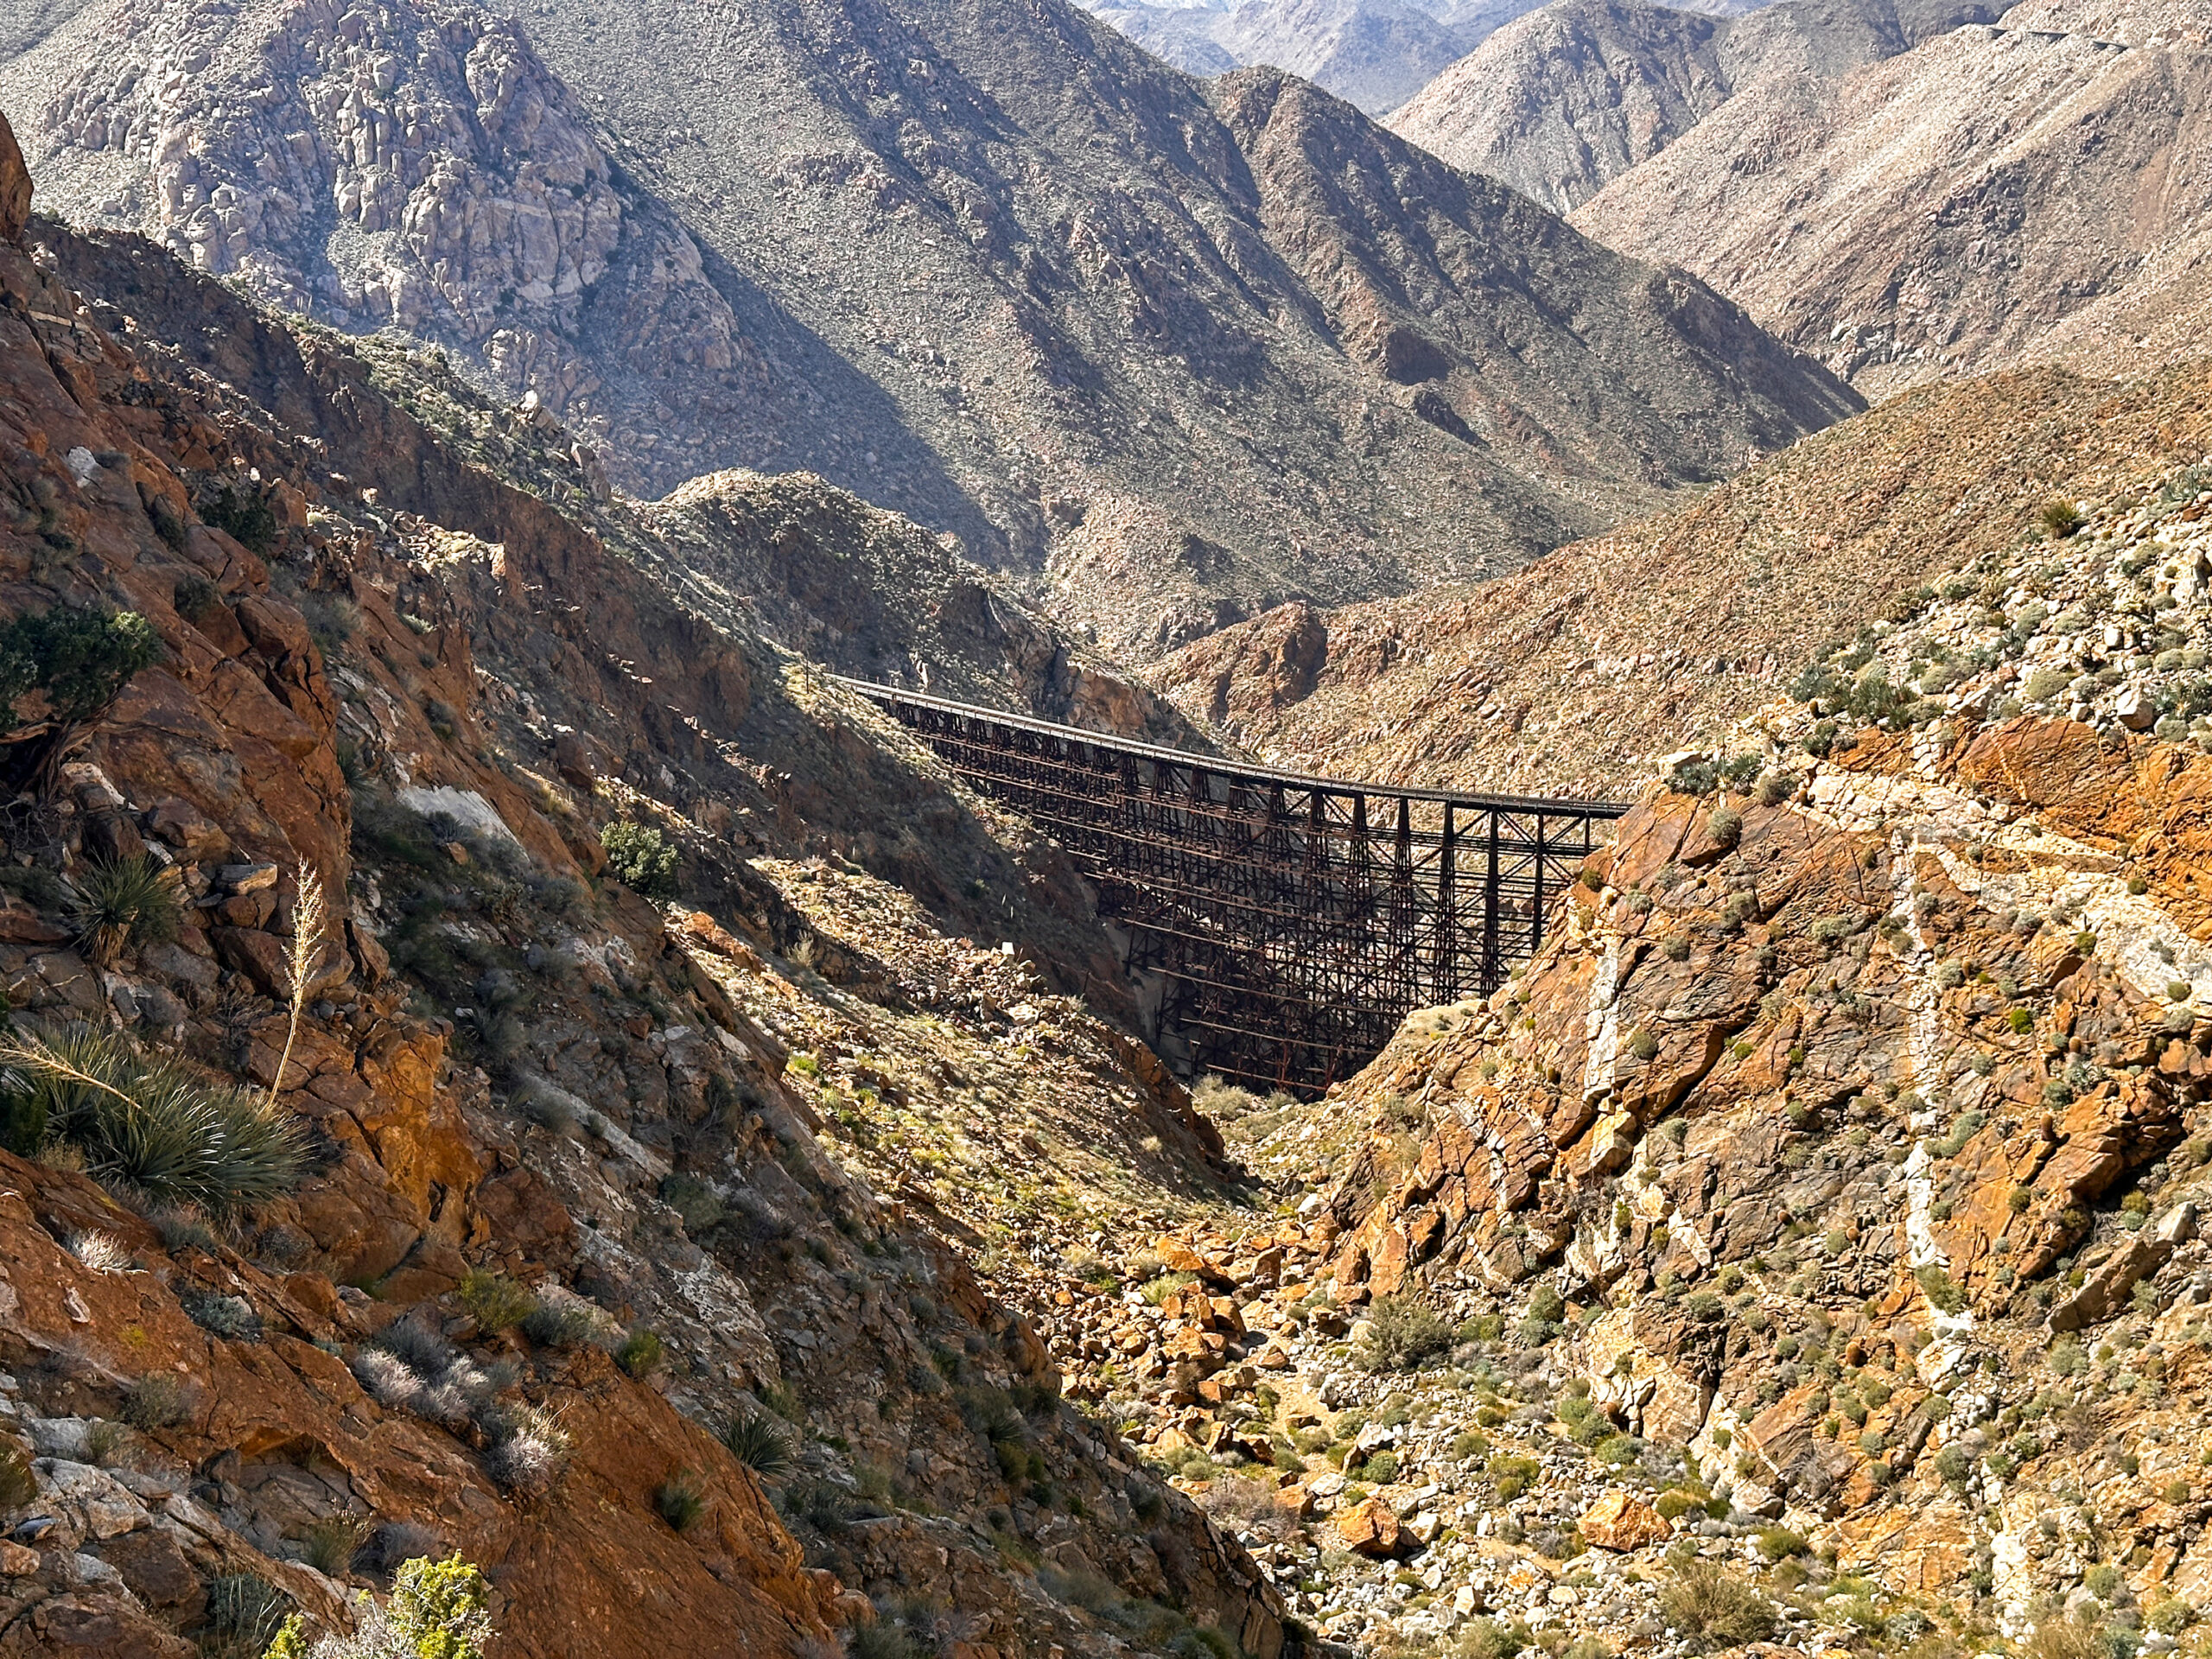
1293,921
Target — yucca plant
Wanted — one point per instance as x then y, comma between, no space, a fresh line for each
154,1126
125,901
307,916
759,1444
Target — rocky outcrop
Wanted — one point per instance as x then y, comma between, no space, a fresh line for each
1869,1062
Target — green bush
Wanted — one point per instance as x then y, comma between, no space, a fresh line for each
1936,1285
330,1543
494,1300
756,1440
1491,1638
1403,1334
2059,517
154,1401
1711,1607
125,901
18,1485
1514,1476
1777,1542
680,1501
641,1353
641,858
153,1125
244,516
440,1609
245,1612
1643,1043
81,660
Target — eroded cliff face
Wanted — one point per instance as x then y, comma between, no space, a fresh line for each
431,690
1825,1109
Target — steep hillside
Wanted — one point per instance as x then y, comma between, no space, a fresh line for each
1803,1252
848,586
1564,100
1006,275
1573,674
1996,195
522,1237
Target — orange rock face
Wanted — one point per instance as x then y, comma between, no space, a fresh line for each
1621,1520
1372,1528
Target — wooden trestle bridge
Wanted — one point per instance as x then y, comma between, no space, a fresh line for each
1292,922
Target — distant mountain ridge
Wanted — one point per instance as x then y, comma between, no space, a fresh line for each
1563,100
2000,194
1005,274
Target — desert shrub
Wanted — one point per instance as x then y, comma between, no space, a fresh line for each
529,1449
1695,776
18,1485
680,1501
1935,1285
559,1327
640,857
885,1639
102,1252
330,1544
1403,1334
153,1126
81,660
1491,1638
1514,1476
494,1300
1711,1607
245,1612
2059,1637
2059,517
154,1401
1643,1043
2171,1616
243,515
641,1353
1778,1543
125,901
1726,825
1379,1470
106,1441
231,1318
757,1441
194,597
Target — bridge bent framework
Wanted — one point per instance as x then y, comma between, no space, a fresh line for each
1292,922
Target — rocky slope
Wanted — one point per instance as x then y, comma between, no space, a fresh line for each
1577,673
1802,1254
525,1089
2030,190
1062,316
1562,101
852,588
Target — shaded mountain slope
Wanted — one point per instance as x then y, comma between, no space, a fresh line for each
1008,276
